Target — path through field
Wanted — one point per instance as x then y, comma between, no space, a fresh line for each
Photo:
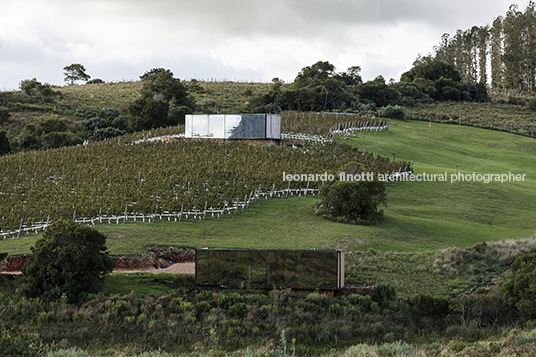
178,268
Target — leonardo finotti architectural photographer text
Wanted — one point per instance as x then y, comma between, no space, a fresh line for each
424,177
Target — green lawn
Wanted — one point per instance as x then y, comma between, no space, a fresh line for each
421,216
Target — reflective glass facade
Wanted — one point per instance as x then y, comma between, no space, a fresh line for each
234,126
268,269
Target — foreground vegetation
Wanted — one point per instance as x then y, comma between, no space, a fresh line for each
436,289
437,284
166,314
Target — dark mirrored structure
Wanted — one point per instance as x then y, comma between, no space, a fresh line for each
270,269
233,126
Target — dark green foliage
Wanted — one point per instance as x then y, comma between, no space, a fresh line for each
316,88
33,87
318,72
532,104
385,291
377,92
519,291
2,256
4,115
355,202
95,81
106,133
442,81
69,260
393,112
447,89
351,76
92,124
29,137
14,343
5,146
160,95
411,94
53,124
75,72
52,140
429,305
177,115
432,70
121,122
153,74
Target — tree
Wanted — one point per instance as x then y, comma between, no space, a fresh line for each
75,72
496,53
320,71
355,202
432,70
34,87
520,290
69,260
153,74
53,123
377,91
161,93
5,147
351,77
4,115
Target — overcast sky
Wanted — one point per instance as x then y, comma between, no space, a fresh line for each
246,40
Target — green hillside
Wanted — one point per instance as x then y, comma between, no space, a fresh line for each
443,243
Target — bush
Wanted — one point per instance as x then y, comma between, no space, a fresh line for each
106,133
52,140
355,202
12,341
520,290
398,349
385,291
5,146
430,305
393,112
70,260
4,115
532,104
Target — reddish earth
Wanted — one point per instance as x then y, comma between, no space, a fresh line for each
162,260
178,268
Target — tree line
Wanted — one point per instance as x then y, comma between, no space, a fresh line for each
320,88
502,54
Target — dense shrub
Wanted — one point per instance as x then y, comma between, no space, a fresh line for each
4,115
385,291
393,112
13,341
532,104
5,146
355,202
428,305
70,260
160,95
519,291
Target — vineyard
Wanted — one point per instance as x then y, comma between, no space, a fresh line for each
515,119
121,178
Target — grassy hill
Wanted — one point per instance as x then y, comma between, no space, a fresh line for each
75,103
431,243
422,218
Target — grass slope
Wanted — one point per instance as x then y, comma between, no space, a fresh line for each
420,217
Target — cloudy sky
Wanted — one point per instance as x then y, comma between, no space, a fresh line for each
246,40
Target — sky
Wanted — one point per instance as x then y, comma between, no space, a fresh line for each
237,40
